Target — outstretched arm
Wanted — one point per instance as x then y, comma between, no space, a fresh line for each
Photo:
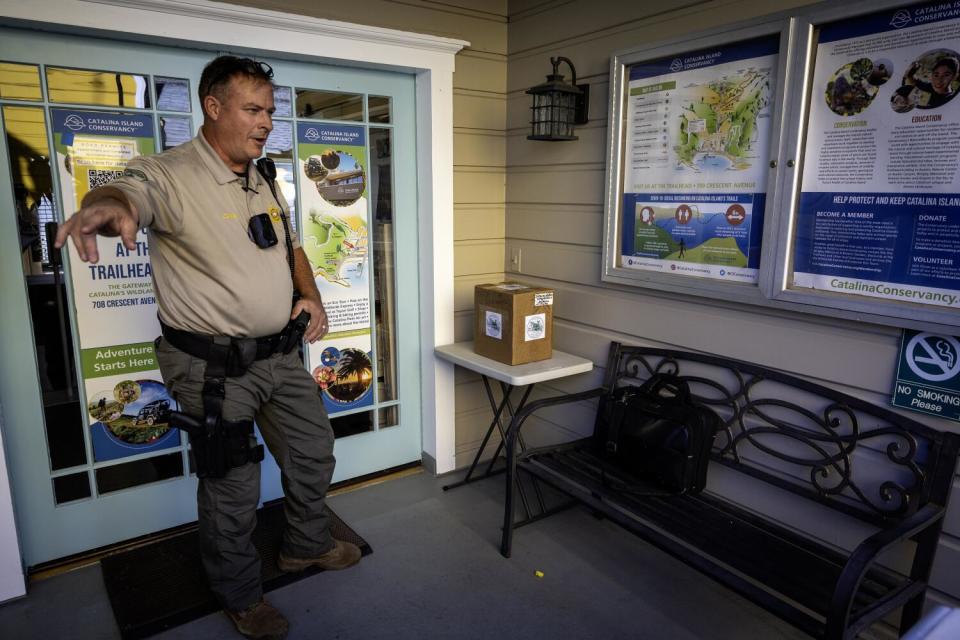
105,211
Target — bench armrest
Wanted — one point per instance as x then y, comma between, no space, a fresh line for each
513,431
866,554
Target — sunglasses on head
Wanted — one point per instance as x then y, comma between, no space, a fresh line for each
253,66
246,66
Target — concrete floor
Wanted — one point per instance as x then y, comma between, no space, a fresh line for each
436,572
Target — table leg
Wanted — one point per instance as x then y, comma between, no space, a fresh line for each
523,447
506,390
495,424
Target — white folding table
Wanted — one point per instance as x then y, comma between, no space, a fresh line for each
510,377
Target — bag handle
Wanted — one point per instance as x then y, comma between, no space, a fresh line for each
674,384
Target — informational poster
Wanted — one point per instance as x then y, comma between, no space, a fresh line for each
334,233
116,310
928,375
879,211
695,162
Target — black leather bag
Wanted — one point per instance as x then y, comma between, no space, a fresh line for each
659,433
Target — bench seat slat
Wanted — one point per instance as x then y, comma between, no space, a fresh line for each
754,534
804,571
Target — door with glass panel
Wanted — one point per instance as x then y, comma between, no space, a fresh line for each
92,459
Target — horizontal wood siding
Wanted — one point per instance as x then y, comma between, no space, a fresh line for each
554,219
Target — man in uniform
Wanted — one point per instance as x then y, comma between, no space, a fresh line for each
220,284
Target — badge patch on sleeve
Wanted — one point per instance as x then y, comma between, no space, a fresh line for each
135,173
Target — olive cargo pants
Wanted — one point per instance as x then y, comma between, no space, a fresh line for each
283,399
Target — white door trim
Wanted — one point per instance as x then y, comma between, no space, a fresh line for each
213,25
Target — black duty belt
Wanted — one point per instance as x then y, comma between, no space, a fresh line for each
232,356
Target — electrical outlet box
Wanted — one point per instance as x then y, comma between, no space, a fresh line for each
515,254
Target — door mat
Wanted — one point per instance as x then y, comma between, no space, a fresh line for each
162,585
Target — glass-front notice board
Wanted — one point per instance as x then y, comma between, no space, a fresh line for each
879,206
696,148
807,160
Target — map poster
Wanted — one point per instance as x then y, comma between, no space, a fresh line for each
332,166
879,209
116,311
695,163
928,375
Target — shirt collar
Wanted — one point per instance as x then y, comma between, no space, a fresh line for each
220,171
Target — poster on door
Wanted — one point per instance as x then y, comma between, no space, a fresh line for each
695,165
116,312
879,209
333,223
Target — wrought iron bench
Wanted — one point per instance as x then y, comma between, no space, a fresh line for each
886,476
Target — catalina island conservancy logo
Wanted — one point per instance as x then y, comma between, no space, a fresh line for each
901,19
311,134
74,122
676,65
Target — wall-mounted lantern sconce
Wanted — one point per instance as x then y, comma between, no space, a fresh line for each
557,106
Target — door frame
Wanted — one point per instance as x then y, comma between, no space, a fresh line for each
201,24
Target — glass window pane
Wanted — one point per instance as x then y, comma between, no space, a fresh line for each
288,189
104,88
53,338
175,131
63,420
283,102
381,195
328,105
388,416
20,81
378,108
173,94
26,136
352,424
75,486
280,141
139,472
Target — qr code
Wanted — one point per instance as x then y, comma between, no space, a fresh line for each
99,177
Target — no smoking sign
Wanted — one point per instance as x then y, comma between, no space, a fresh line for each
928,375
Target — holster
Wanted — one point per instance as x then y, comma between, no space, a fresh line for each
218,445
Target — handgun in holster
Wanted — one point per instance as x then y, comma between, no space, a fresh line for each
291,337
216,445
219,445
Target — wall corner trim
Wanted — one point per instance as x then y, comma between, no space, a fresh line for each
276,20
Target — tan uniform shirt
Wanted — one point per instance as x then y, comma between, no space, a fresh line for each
209,276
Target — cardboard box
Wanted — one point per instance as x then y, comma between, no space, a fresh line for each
514,322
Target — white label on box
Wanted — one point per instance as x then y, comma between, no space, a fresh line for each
543,299
535,327
493,322
512,287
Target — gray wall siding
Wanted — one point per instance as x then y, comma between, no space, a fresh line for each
554,218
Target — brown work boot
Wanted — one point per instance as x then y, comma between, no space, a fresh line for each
260,621
343,555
